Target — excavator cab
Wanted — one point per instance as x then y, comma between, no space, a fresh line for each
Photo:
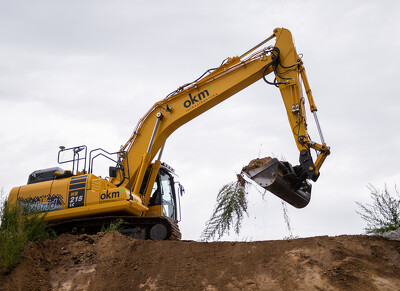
163,194
164,198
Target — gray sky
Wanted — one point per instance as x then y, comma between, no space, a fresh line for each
85,72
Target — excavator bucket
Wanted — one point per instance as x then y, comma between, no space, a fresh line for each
281,179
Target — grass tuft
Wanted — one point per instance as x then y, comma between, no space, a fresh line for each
115,225
18,226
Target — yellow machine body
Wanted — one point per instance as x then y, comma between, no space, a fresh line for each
77,197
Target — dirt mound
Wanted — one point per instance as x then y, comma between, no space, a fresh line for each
115,262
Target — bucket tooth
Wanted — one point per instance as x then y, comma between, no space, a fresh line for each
281,180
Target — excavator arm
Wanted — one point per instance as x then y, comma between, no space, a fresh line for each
193,99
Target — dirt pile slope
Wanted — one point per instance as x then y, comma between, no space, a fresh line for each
114,262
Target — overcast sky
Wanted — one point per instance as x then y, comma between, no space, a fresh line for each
85,72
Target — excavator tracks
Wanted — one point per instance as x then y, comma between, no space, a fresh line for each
153,228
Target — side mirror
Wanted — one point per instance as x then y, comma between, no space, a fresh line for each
181,189
112,172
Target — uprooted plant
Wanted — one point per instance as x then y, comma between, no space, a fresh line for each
229,210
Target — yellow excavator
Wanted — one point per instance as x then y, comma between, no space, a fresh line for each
141,189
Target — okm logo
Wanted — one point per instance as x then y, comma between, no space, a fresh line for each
196,98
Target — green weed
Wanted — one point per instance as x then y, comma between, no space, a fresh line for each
18,226
384,213
115,225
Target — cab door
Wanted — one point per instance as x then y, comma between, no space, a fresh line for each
168,197
163,199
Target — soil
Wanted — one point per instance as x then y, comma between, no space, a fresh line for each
256,163
112,261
